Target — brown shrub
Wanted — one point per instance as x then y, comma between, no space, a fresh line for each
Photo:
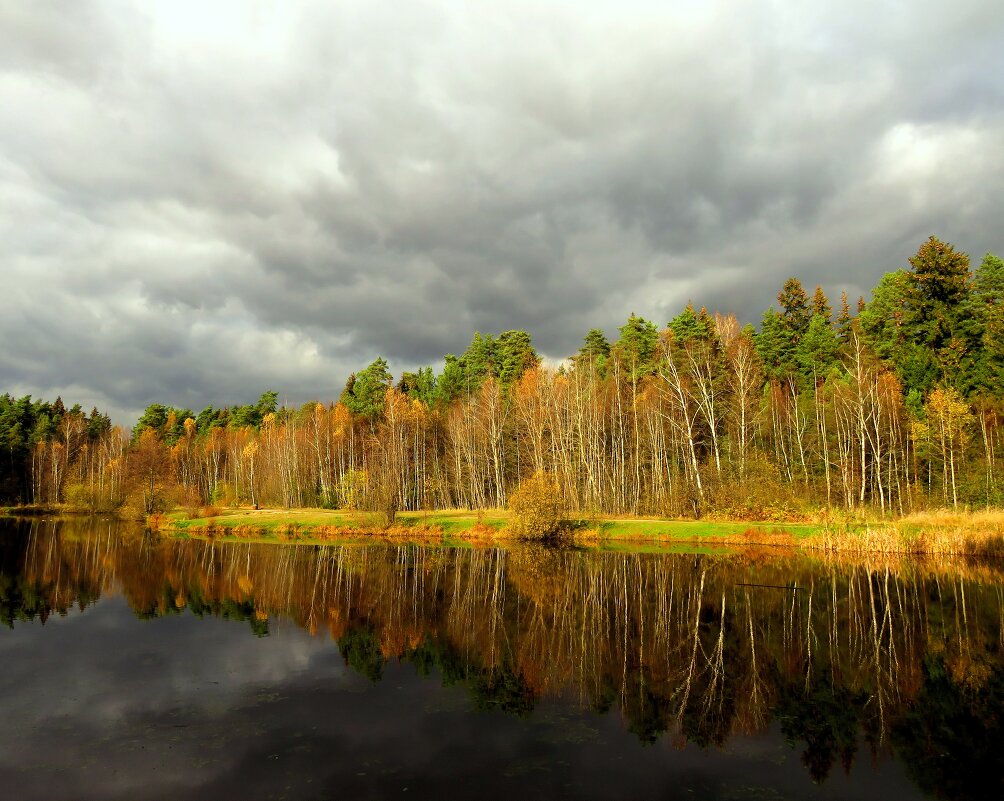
535,508
777,538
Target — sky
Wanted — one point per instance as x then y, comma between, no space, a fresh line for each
201,201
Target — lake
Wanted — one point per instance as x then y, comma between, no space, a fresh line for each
140,666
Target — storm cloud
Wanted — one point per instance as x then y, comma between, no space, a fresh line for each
202,201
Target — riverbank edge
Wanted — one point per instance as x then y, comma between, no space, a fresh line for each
970,534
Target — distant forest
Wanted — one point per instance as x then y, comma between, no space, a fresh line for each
893,405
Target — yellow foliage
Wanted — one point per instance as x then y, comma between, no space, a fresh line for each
535,507
948,410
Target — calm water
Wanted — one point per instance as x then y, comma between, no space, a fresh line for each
134,666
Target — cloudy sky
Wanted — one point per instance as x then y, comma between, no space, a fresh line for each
199,201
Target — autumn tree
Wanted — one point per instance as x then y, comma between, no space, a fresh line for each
949,419
676,421
535,507
149,469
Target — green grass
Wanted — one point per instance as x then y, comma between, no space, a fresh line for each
271,519
302,526
634,529
614,533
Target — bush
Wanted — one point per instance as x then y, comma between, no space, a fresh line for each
77,496
535,508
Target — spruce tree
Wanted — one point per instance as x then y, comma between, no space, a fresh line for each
940,287
688,325
775,346
816,353
795,308
844,319
821,304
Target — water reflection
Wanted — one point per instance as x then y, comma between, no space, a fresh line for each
899,660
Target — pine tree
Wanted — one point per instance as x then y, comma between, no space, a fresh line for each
514,356
480,360
595,350
369,390
883,320
594,344
637,346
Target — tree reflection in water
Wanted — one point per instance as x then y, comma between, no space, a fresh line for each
902,657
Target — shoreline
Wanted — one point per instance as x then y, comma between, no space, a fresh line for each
968,534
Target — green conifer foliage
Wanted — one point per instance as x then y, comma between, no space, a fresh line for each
638,346
688,325
940,287
795,309
884,319
774,346
594,345
986,316
514,356
368,393
817,353
844,319
452,383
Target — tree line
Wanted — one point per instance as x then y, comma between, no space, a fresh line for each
44,445
892,406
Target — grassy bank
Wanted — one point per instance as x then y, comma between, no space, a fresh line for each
271,521
978,534
326,524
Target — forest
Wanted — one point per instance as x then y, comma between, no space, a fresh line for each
883,407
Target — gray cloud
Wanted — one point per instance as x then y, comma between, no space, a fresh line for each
198,204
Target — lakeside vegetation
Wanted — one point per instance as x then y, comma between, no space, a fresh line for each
884,413
943,534
460,524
